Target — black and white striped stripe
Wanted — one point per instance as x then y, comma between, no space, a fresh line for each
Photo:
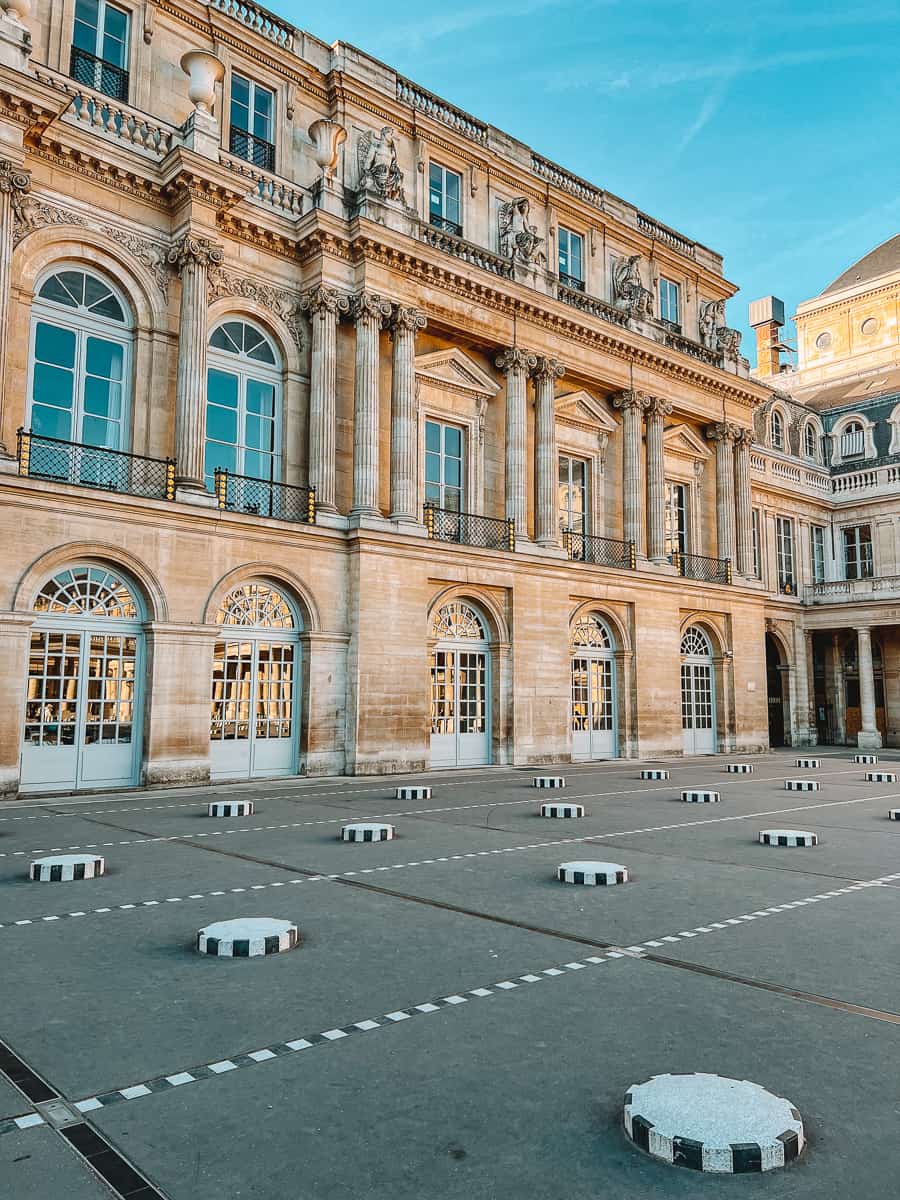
230,808
801,785
654,773
413,793
881,777
562,810
787,837
865,758
596,874
808,764
66,867
367,832
739,769
548,781
251,937
894,814
697,796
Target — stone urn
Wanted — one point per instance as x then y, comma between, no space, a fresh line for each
205,71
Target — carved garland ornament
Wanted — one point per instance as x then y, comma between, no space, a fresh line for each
287,306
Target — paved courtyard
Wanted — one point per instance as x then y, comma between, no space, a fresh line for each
455,1024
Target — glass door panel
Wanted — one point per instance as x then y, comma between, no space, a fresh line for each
252,709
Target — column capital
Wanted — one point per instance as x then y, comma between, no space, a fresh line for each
408,320
194,248
656,406
547,369
626,401
14,178
369,306
515,359
721,432
743,438
325,300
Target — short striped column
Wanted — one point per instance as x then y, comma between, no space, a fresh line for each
367,831
230,808
562,810
881,777
698,796
247,937
413,793
548,781
595,874
808,764
894,814
801,785
65,868
739,768
654,773
865,758
787,837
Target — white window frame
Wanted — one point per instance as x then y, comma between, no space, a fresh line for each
246,369
785,555
817,551
102,7
840,447
442,215
680,529
756,541
852,534
667,290
778,414
809,429
570,237
586,498
444,424
253,86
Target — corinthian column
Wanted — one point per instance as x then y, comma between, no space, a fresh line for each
13,180
743,502
723,436
324,307
657,411
632,405
404,324
515,364
546,468
368,311
192,258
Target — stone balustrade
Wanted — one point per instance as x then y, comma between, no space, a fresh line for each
269,189
258,19
440,110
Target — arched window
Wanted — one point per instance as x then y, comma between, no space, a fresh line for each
593,687
853,440
86,591
243,403
256,604
457,621
80,361
590,632
776,427
694,642
810,443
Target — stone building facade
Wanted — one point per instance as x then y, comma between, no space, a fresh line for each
340,432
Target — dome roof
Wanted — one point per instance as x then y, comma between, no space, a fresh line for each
883,260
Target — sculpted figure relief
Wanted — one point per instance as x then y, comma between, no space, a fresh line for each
714,333
376,155
518,239
630,293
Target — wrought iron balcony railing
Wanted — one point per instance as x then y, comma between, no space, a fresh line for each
601,551
253,149
469,529
94,466
265,498
446,224
97,73
571,281
697,566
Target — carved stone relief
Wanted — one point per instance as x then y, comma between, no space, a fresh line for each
714,333
287,306
629,292
379,171
519,240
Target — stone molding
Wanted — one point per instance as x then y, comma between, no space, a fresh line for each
284,304
13,178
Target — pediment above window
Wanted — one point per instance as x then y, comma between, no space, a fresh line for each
686,443
454,371
583,411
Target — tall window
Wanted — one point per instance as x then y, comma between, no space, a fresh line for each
100,48
757,557
243,402
571,258
853,441
810,442
817,547
669,301
572,494
857,551
252,122
444,465
776,429
676,518
445,198
784,546
80,361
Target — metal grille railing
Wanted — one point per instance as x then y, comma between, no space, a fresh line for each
94,466
99,74
265,498
601,551
445,223
697,566
254,149
571,281
469,529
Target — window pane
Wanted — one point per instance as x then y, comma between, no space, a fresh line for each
433,468
57,290
453,472
52,386
54,345
260,398
218,455
453,440
432,436
51,422
104,358
221,424
85,31
97,432
102,398
258,465
222,388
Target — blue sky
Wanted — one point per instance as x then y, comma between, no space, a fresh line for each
770,132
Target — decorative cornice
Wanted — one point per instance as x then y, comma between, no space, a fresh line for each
515,360
13,178
284,304
195,250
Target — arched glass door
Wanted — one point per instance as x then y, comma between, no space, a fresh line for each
593,690
83,706
460,688
243,404
255,685
698,698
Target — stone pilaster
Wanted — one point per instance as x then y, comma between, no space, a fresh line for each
13,180
404,324
632,406
192,258
515,364
838,692
743,503
657,411
15,640
368,312
546,520
801,734
723,436
868,738
324,307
